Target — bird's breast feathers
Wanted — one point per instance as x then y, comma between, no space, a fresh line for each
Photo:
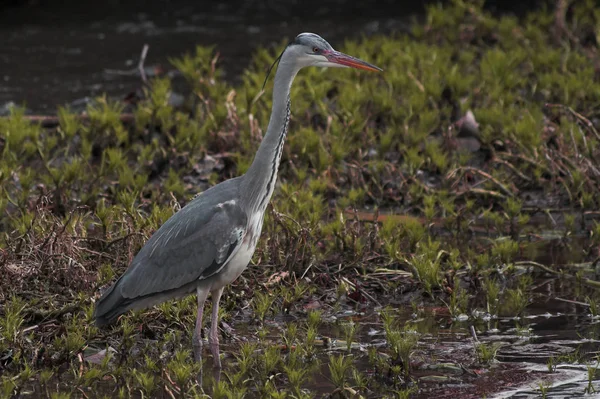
253,232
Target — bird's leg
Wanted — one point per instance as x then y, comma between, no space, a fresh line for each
197,337
213,335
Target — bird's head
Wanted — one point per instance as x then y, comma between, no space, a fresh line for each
309,49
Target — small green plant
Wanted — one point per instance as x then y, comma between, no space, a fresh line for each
314,318
310,352
246,357
591,372
593,306
551,364
146,382
360,381
543,386
222,390
349,330
270,361
486,353
459,300
339,366
513,207
569,223
290,335
401,341
406,393
60,395
523,331
296,376
11,323
505,250
492,293
571,358
515,302
7,388
426,264
261,303
181,370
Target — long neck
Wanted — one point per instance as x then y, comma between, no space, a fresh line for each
260,179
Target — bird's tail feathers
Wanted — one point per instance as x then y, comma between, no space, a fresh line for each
110,306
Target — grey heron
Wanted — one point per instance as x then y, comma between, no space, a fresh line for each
210,241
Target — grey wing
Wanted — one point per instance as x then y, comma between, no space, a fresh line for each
193,244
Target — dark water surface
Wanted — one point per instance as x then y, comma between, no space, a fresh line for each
56,59
53,53
443,362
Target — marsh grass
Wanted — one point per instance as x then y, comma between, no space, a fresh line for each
486,353
80,199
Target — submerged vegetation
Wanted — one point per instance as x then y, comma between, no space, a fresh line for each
464,178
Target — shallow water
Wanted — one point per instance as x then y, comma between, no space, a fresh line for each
444,362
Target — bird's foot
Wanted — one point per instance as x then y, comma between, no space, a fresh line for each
214,350
197,346
197,349
213,342
216,374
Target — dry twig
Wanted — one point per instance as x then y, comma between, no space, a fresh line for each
580,118
141,63
483,174
586,281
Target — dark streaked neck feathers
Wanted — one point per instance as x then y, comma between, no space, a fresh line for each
259,182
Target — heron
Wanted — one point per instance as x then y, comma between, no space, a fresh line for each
208,243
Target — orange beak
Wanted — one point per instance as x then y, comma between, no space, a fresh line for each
347,60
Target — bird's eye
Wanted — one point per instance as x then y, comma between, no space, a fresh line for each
316,50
